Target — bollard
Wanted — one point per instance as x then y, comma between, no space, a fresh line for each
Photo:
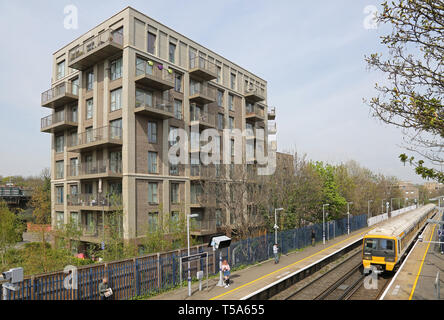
199,276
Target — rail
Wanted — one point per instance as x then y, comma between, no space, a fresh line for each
60,90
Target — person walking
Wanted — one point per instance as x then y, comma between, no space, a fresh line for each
226,272
106,293
313,237
276,253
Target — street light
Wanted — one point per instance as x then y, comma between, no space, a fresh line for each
188,241
275,224
369,201
348,216
323,221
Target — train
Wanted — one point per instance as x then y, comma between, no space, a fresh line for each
384,246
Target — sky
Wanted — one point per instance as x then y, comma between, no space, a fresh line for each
311,53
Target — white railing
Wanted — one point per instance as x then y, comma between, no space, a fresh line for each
402,210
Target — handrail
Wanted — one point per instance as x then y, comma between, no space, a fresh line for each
96,167
144,67
95,135
254,109
203,63
60,90
203,89
55,118
145,99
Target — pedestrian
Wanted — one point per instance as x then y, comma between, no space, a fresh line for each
226,272
313,237
106,293
276,253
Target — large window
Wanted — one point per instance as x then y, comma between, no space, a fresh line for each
178,82
89,108
60,70
177,109
116,129
144,98
116,69
233,81
59,195
175,193
230,102
116,99
89,80
60,168
152,132
231,123
219,73
172,52
152,162
75,86
74,167
220,98
115,161
153,221
59,143
172,136
60,216
152,192
151,43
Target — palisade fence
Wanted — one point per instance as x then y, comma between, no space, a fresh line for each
150,274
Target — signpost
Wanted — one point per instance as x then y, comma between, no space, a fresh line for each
191,258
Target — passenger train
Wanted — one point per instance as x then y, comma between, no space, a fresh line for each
384,246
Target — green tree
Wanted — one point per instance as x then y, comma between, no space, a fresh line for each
414,67
10,230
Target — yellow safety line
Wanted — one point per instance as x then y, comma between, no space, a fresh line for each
422,262
269,274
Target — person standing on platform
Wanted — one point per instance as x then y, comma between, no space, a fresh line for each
276,253
313,237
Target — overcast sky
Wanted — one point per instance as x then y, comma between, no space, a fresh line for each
310,52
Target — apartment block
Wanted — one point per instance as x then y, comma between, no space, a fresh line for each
116,95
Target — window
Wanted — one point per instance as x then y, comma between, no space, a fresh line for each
152,132
75,86
59,195
194,87
59,170
89,108
90,222
60,69
175,193
116,69
144,98
195,192
153,221
60,217
116,129
220,121
89,134
74,167
218,217
115,161
116,99
172,52
219,72
74,189
151,43
220,98
174,220
230,102
231,123
74,113
152,162
59,143
249,130
177,109
233,81
172,136
152,192
88,188
250,107
178,82
75,219
89,80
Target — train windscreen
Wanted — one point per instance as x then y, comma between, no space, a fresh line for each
379,247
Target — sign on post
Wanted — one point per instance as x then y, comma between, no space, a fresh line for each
191,258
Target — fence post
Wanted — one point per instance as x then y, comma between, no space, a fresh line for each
158,271
137,276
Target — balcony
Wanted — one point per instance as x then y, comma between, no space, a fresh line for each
272,129
204,172
272,114
254,93
93,202
204,120
60,95
202,69
107,136
96,49
254,112
153,106
202,94
203,227
58,121
95,170
156,77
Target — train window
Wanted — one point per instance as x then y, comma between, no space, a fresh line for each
386,244
371,243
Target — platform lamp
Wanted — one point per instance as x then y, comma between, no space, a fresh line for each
188,241
348,216
275,224
323,221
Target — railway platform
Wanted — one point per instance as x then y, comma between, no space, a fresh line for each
248,281
416,277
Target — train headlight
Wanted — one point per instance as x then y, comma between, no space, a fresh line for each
390,259
367,257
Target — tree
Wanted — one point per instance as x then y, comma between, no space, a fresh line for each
10,230
413,98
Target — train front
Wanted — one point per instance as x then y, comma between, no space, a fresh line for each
379,253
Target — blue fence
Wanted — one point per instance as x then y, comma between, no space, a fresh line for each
150,274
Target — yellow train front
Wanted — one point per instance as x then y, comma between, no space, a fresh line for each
379,252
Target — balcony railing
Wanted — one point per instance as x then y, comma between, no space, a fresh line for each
203,226
94,169
272,113
58,120
154,105
202,93
61,94
96,49
253,111
93,200
107,135
202,68
205,119
154,76
254,93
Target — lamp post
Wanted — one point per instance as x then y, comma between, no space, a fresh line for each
188,243
275,224
323,221
348,216
369,201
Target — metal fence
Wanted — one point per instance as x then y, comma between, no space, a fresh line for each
152,273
